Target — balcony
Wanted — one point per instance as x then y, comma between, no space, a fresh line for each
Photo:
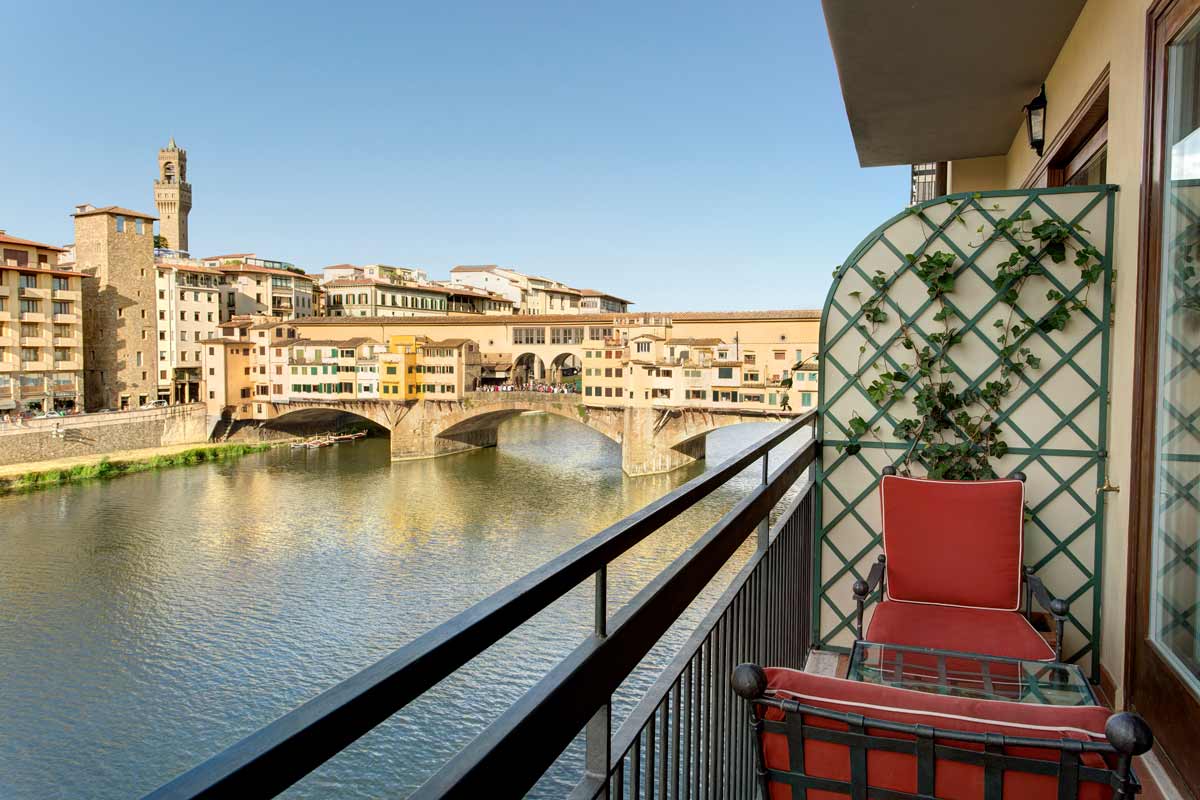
68,341
67,295
31,293
68,366
33,341
69,319
32,316
811,523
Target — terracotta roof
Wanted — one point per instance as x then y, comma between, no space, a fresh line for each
187,267
696,342
448,343
125,212
243,267
6,239
365,281
475,268
227,255
650,336
543,319
33,269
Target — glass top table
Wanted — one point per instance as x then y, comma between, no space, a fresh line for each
970,675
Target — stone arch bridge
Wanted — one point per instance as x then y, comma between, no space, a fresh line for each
652,440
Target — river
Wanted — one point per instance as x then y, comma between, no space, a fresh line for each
150,621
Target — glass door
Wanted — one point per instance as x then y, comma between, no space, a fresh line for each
1165,512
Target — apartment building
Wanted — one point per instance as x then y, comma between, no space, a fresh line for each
254,285
329,370
41,329
377,297
188,303
397,369
592,301
114,250
535,295
448,368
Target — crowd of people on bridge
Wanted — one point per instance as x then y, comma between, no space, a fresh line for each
547,388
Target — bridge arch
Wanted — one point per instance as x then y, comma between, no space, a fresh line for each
565,366
529,368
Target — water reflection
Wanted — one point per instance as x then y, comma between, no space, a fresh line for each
151,621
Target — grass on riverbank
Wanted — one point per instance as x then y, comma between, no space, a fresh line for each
104,468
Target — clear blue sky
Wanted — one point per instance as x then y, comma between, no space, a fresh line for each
688,155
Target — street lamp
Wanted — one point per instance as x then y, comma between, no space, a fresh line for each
1035,121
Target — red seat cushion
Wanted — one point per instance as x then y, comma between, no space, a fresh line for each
967,630
897,771
953,542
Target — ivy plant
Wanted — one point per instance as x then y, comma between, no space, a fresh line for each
954,433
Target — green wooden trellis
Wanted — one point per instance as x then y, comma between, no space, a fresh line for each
1055,419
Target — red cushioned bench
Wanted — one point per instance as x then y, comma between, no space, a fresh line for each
951,575
821,738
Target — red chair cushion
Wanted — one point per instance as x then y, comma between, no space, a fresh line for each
967,630
953,542
897,771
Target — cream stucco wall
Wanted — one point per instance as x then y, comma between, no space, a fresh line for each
976,174
1108,33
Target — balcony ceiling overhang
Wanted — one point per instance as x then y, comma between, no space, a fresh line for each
938,80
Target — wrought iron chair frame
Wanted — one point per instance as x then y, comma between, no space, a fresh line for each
1127,735
1035,589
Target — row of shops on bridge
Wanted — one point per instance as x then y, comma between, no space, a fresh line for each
259,365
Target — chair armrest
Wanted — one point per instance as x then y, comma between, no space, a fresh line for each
864,589
1058,608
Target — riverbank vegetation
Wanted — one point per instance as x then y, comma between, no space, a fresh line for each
104,468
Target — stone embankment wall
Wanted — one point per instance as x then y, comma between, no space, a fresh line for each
97,434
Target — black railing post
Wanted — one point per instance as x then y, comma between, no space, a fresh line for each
598,734
764,527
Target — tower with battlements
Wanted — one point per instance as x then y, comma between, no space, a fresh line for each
173,196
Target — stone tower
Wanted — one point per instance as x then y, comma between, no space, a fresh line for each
173,196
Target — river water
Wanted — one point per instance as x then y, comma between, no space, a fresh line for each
148,622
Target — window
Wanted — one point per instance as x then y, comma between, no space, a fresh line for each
61,307
120,224
30,354
28,281
643,347
60,284
806,399
31,306
529,335
725,373
780,355
137,224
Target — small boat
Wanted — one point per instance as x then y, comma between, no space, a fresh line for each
349,437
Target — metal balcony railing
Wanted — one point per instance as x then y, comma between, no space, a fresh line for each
685,732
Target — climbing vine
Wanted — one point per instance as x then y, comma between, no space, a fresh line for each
954,432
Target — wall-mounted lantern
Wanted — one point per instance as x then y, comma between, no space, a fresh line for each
1035,121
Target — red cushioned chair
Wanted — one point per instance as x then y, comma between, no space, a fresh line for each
951,576
821,738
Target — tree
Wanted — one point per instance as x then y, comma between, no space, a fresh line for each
160,241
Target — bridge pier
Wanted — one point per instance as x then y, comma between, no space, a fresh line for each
642,444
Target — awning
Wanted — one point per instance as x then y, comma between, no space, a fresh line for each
938,80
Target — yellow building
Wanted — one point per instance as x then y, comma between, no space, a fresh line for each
41,329
397,369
